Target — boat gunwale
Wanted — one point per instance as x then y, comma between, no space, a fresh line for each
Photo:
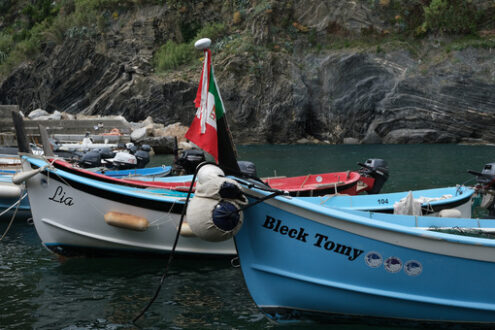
465,247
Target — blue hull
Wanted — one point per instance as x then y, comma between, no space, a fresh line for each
23,211
300,259
460,196
157,171
385,202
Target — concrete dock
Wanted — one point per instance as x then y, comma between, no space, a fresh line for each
65,130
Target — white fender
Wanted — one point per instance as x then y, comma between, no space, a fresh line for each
209,172
208,212
450,213
9,190
23,176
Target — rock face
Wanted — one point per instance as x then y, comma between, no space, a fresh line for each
335,96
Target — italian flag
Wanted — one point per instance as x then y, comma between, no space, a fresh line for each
209,129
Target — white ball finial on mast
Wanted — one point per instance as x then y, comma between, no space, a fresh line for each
202,44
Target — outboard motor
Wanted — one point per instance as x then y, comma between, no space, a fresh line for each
107,153
376,169
123,161
131,148
248,168
486,187
90,159
486,177
143,156
189,160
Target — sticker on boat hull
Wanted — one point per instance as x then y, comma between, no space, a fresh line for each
373,259
393,264
413,268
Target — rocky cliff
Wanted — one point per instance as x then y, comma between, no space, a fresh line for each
336,74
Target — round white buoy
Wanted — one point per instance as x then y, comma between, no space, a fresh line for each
202,43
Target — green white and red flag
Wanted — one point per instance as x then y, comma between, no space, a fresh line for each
209,129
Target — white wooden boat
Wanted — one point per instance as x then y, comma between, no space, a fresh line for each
74,215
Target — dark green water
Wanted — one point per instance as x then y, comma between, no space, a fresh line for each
40,291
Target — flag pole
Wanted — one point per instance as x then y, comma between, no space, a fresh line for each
227,155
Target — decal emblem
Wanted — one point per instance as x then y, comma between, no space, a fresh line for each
413,268
393,264
373,259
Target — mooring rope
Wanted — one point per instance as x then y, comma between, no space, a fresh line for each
172,252
17,204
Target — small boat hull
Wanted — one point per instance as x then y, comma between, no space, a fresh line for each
152,172
69,216
433,201
317,184
303,260
308,185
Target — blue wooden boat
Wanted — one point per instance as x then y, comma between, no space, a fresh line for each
303,260
147,172
433,201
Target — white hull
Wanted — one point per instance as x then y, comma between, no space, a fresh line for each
70,220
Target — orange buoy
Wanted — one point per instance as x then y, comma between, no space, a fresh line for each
127,221
113,131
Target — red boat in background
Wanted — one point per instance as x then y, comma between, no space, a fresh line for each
317,184
369,178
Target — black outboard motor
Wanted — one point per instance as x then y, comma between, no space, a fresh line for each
486,187
377,169
248,168
143,156
189,160
486,177
131,148
107,153
90,159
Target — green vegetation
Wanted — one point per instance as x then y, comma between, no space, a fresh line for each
30,25
451,16
172,54
470,41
